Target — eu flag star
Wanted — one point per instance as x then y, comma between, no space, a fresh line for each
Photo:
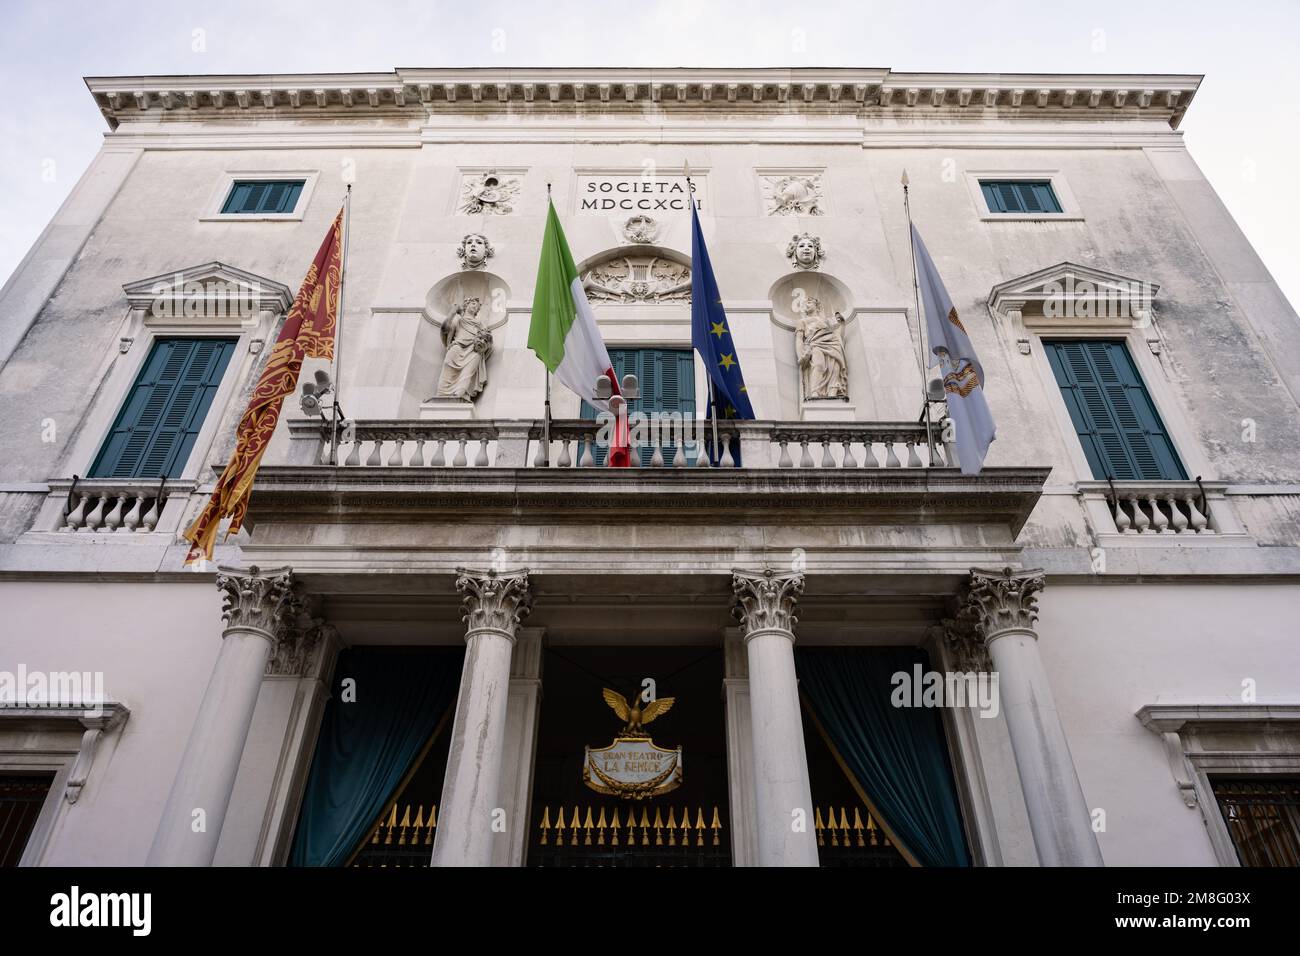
726,361
719,329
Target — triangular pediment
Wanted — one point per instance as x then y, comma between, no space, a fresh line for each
1038,293
210,282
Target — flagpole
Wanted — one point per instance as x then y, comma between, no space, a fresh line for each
708,376
546,372
920,324
338,328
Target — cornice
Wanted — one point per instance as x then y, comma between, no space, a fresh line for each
1178,717
296,494
821,90
217,281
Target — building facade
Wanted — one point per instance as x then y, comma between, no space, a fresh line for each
401,658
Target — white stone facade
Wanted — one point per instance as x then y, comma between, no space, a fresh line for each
1166,657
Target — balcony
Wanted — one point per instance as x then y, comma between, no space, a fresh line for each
129,510
521,444
425,496
1162,513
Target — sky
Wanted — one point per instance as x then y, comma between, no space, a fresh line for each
1241,128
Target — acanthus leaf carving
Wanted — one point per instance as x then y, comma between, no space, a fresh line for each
965,645
766,600
258,600
1005,600
494,600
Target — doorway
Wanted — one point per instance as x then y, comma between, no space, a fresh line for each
573,825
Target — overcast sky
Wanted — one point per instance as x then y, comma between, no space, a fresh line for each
1242,127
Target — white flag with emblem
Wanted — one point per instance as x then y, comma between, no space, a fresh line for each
963,376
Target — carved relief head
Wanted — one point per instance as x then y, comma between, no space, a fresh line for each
805,251
472,305
474,250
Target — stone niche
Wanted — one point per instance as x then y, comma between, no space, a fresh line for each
884,381
400,351
792,297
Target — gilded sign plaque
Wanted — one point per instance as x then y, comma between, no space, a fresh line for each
633,766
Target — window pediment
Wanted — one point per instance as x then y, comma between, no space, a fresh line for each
1072,295
208,289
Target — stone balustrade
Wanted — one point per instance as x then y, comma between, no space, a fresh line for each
889,445
575,443
1165,508
113,507
1150,512
416,445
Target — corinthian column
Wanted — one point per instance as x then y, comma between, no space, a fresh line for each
783,807
258,609
469,821
1002,606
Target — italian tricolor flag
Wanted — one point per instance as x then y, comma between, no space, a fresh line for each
563,332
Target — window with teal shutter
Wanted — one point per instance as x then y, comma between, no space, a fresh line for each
263,197
164,410
1116,421
1019,196
667,380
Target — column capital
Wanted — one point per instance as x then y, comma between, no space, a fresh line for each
766,600
1000,601
257,600
494,600
304,649
964,642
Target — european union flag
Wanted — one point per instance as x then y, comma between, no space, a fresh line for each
711,335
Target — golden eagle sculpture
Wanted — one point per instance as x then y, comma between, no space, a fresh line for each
636,715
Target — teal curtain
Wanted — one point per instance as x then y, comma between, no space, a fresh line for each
897,754
367,746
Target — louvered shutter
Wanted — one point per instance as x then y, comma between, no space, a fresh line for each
667,381
1008,198
1122,435
1019,196
165,409
1045,197
249,197
1028,197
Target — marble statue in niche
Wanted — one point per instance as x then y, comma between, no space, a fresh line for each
474,251
805,251
489,193
819,346
793,195
469,344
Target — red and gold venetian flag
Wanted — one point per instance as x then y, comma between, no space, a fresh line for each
308,333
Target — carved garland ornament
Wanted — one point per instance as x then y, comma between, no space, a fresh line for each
494,600
766,600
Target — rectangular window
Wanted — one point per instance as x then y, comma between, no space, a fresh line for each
164,410
1114,417
263,197
1019,196
1263,818
21,799
667,382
